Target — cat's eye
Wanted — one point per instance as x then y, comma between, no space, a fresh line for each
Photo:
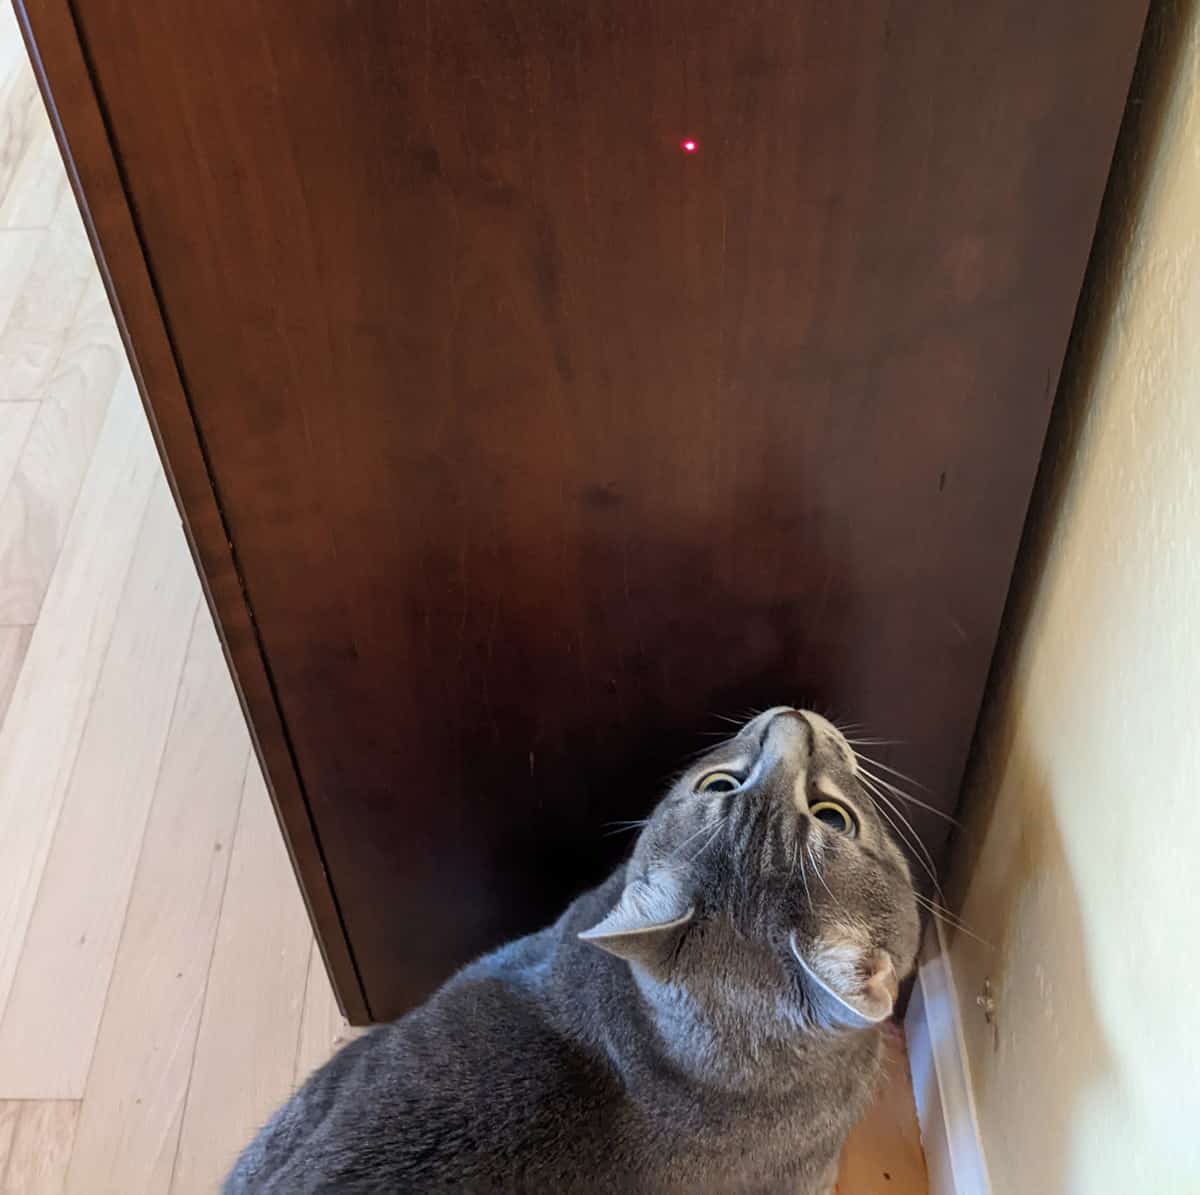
836,817
718,782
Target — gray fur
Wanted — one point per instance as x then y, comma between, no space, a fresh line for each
716,1029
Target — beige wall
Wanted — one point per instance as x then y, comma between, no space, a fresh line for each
1081,855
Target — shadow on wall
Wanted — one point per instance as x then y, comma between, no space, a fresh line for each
1162,44
1010,852
1027,866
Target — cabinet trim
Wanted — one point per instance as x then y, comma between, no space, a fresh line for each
77,114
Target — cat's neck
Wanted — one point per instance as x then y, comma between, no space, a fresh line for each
739,1029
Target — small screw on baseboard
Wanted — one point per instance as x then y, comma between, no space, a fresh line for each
987,1001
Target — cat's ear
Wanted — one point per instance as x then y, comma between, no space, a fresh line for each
850,987
647,923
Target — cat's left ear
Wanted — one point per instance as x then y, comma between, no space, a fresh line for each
850,987
647,923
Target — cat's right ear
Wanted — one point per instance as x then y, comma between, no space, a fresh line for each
645,927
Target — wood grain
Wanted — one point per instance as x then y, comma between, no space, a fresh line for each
52,699
18,91
36,507
18,252
31,174
537,440
883,1155
40,1147
31,177
48,1030
133,1105
129,1120
247,1043
16,418
10,1112
14,643
33,334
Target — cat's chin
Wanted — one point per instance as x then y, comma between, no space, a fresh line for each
851,986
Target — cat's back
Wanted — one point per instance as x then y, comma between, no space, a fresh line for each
533,1069
478,1089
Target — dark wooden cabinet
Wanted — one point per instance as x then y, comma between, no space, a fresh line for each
517,438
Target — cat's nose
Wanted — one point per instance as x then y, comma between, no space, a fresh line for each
756,728
787,749
787,739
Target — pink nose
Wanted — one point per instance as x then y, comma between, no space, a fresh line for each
789,736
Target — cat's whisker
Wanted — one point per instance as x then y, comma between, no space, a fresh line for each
711,840
714,825
860,732
817,871
869,778
624,827
941,908
899,792
723,740
727,718
942,911
844,728
803,873
692,756
948,919
878,791
795,856
708,825
912,839
893,771
807,891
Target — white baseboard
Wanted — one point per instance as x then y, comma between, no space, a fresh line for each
941,1077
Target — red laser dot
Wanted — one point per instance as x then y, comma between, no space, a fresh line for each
688,145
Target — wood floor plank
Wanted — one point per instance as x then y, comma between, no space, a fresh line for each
14,643
40,1148
36,509
34,334
16,419
48,1029
323,1029
38,183
133,1104
10,1112
53,695
19,249
247,1045
884,1155
31,169
12,65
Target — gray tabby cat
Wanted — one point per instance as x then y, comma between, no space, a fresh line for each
706,1020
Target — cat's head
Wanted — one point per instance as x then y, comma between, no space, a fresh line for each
769,854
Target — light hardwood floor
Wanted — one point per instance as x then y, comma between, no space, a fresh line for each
160,990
